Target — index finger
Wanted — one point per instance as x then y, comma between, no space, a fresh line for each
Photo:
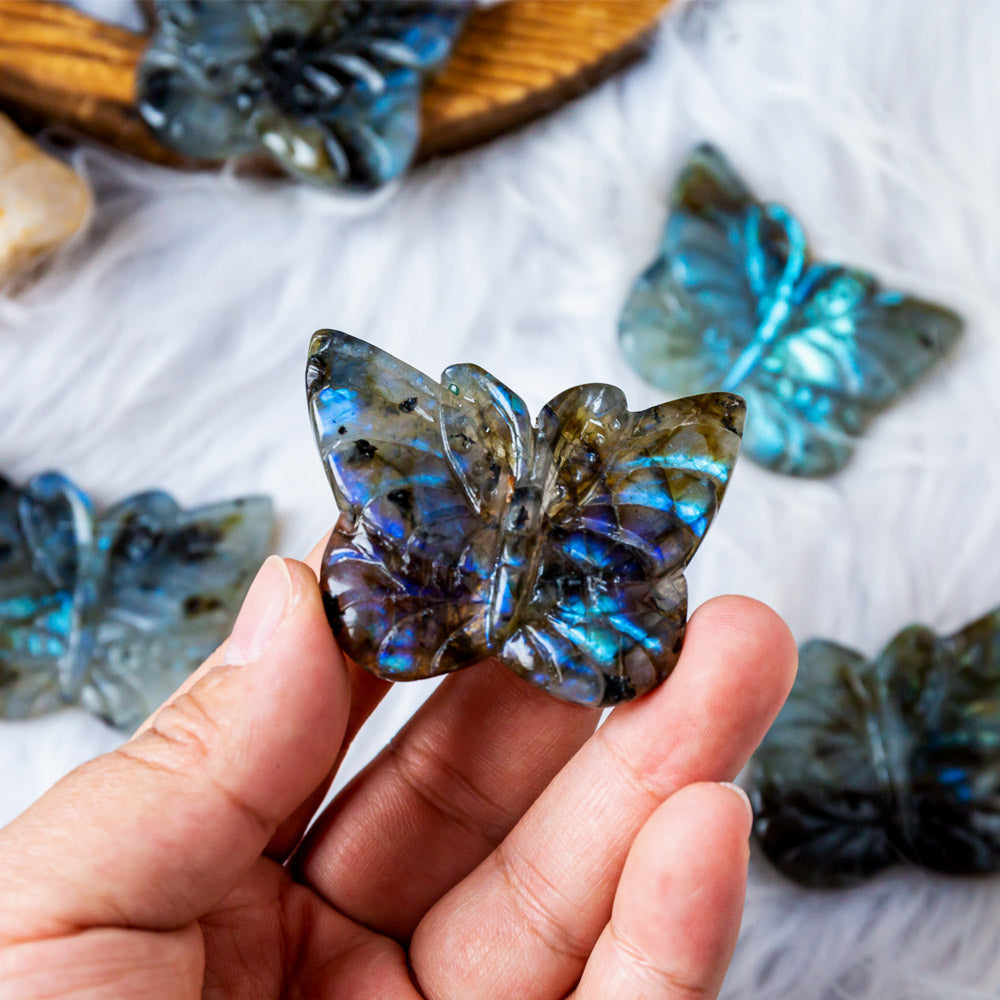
523,923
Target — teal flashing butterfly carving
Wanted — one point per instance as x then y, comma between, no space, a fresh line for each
467,532
111,611
889,761
735,302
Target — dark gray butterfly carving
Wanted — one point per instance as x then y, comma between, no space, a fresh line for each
329,88
873,763
466,531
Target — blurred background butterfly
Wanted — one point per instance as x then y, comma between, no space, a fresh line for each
870,764
330,89
734,302
112,611
467,532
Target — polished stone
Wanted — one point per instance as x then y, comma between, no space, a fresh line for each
330,89
894,760
734,301
467,532
42,201
111,611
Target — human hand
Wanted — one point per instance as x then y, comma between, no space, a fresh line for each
497,848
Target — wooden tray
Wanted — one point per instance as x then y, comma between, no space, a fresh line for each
513,62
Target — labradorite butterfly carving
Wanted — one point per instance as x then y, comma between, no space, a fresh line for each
329,88
112,610
467,532
870,764
735,302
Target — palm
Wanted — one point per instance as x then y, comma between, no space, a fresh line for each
498,846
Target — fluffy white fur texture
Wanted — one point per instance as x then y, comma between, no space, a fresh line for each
167,347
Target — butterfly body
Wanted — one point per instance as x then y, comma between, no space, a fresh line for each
112,610
894,760
734,301
467,532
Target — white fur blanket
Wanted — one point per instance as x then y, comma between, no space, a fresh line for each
167,348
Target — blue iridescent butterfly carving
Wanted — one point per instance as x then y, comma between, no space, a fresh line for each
329,88
467,532
112,611
734,302
896,760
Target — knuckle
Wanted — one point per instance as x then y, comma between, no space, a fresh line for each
677,984
640,778
448,791
186,729
187,746
540,904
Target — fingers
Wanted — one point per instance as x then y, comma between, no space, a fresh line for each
367,691
151,835
439,799
545,894
676,914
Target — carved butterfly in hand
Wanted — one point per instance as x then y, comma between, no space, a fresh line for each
466,532
113,611
734,302
871,764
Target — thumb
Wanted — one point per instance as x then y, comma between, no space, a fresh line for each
155,833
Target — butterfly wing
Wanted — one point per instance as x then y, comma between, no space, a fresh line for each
364,115
330,89
825,810
158,593
817,350
160,589
847,350
627,498
698,305
421,473
42,526
947,690
113,615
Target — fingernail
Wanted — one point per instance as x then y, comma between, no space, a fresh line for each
262,612
745,798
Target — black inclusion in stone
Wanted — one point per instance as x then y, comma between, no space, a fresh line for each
522,519
198,605
333,613
403,499
194,541
341,429
316,372
364,449
729,421
137,540
157,88
280,64
408,405
617,689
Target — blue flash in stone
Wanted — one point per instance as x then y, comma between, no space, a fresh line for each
467,532
328,88
734,302
112,610
896,760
